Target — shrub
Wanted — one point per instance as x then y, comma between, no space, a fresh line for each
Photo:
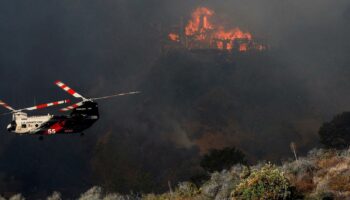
336,134
17,197
187,189
54,196
217,160
184,191
221,184
93,193
267,183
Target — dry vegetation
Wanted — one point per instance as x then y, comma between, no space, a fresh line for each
323,174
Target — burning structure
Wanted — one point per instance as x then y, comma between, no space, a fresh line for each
201,33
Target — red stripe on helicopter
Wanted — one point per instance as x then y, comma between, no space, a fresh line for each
55,128
41,106
49,104
68,89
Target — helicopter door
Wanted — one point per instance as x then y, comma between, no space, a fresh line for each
22,127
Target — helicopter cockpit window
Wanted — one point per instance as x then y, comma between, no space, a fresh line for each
12,126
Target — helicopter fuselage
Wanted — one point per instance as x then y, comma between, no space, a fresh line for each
83,115
80,118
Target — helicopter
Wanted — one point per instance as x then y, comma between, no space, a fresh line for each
82,116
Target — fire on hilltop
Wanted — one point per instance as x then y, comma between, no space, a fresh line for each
201,32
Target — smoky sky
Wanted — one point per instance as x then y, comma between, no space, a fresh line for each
187,103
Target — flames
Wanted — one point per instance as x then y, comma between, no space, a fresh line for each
233,34
199,24
174,37
202,33
226,39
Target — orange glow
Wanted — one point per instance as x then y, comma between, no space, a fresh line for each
174,37
233,34
243,47
199,23
229,46
201,32
220,45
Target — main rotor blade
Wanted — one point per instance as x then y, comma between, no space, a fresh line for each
71,107
69,90
5,105
116,95
45,105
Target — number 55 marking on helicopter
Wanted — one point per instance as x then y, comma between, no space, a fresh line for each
82,116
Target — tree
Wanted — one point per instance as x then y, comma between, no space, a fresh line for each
336,133
217,160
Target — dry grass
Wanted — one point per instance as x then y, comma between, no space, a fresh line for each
340,183
304,184
327,163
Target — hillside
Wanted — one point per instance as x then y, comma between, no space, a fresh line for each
322,174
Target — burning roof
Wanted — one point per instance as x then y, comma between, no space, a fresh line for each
201,32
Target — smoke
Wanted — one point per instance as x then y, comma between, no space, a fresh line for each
189,103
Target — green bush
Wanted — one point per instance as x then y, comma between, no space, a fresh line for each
267,183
